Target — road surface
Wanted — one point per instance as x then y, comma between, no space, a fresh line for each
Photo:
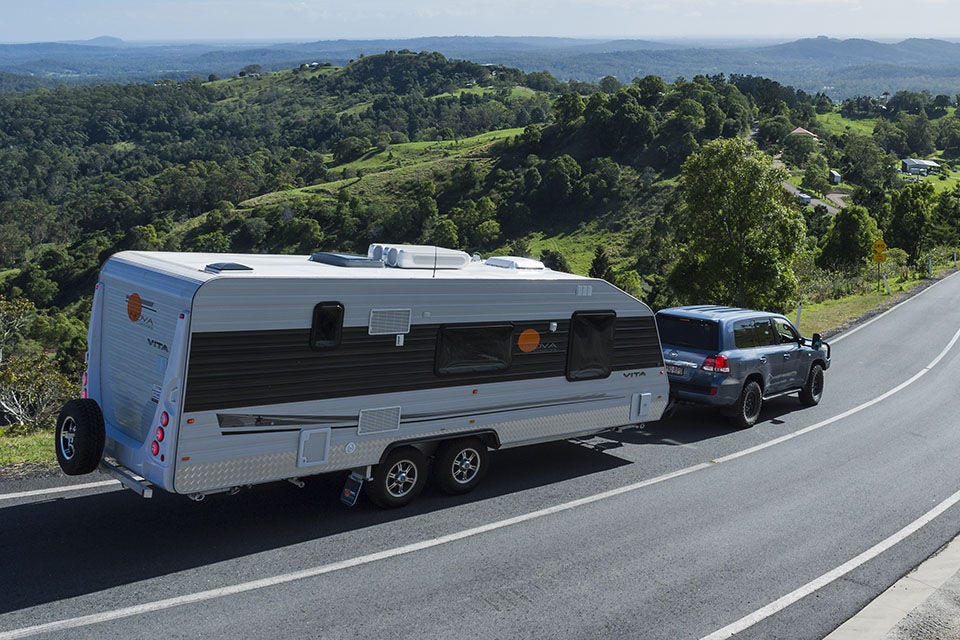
684,529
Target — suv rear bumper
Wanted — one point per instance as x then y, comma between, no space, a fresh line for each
722,395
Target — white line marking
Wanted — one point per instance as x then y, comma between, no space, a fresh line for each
840,416
150,607
847,334
782,603
726,632
43,492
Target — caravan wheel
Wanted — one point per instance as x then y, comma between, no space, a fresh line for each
80,437
398,479
460,465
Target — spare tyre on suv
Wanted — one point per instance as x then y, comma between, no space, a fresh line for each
734,359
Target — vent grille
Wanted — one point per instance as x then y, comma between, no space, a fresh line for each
313,447
379,420
389,321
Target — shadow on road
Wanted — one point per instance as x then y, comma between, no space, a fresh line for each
70,547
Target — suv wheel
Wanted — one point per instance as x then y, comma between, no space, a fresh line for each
747,409
812,391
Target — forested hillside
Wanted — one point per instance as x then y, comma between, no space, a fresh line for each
408,147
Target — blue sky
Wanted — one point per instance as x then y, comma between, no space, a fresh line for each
306,20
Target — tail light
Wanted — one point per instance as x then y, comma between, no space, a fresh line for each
717,364
154,447
159,435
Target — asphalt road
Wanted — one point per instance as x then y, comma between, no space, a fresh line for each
675,531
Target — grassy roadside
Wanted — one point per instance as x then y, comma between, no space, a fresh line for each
35,451
834,316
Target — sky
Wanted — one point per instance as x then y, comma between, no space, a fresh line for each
309,20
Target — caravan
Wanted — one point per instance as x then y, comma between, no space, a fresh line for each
209,372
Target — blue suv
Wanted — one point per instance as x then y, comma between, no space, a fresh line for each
735,359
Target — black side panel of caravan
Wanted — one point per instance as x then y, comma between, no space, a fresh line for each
247,368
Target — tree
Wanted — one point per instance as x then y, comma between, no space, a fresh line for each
601,267
32,391
555,260
911,211
738,230
797,148
15,318
815,174
848,240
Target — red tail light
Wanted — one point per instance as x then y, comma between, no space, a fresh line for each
154,447
164,418
717,364
159,434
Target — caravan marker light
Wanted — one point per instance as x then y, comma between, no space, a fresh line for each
83,393
154,447
159,434
85,378
164,418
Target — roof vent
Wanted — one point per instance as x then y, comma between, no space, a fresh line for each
346,260
513,262
219,267
412,256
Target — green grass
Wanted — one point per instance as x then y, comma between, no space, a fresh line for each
830,315
36,448
836,124
380,171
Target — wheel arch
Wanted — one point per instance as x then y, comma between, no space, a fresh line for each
427,445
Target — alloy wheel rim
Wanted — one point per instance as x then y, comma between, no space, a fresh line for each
402,478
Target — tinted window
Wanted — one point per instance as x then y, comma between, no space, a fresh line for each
327,325
473,349
756,332
703,335
785,330
590,349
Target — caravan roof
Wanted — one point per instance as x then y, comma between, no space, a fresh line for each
201,267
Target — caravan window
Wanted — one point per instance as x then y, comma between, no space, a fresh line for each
327,325
590,349
473,349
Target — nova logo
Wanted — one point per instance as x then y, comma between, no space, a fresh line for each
634,374
158,345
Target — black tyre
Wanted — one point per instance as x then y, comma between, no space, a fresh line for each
80,437
812,391
747,409
398,479
460,465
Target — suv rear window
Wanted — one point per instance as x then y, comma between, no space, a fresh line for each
703,335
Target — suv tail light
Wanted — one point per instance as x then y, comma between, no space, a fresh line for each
717,364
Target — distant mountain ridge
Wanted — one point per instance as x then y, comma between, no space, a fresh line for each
840,68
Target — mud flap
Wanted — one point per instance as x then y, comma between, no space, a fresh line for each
351,489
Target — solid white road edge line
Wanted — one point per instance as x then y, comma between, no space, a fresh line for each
211,594
73,487
782,603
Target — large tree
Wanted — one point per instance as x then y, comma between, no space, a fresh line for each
738,228
849,239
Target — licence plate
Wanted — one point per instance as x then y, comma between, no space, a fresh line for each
674,370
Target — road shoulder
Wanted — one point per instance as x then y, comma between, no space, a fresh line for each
923,605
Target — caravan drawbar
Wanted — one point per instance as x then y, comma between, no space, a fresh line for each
209,372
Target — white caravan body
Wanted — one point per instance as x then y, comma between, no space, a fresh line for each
266,367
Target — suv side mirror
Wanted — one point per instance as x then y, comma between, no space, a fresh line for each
817,341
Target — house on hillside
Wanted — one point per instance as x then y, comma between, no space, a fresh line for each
916,167
800,131
835,177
